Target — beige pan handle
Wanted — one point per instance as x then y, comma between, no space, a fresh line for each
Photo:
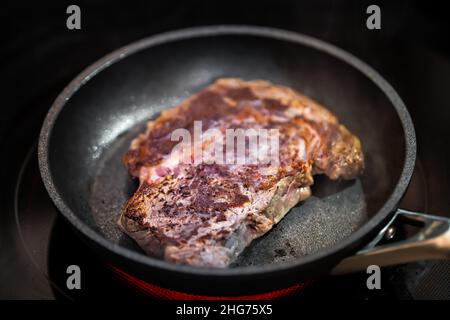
431,242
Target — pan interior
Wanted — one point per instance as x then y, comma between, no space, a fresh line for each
96,125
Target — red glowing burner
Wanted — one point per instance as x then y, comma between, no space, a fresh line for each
168,294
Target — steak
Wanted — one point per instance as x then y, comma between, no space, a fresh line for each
205,214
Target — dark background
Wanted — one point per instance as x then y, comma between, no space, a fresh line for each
39,56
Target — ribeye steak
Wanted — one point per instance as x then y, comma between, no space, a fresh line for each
205,214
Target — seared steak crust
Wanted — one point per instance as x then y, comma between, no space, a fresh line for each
206,214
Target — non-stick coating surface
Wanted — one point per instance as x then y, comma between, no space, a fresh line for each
92,131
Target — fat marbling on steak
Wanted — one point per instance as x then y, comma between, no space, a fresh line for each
206,214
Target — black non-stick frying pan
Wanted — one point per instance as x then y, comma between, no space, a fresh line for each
91,124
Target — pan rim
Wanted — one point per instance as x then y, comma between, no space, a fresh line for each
221,30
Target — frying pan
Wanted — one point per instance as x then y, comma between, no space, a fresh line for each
339,229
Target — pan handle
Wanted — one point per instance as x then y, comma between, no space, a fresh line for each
430,242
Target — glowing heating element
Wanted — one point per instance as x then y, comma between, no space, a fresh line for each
168,294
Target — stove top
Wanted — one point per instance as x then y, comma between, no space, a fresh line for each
36,243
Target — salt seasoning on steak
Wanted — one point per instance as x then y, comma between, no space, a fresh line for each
206,214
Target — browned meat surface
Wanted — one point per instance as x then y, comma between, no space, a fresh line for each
206,214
